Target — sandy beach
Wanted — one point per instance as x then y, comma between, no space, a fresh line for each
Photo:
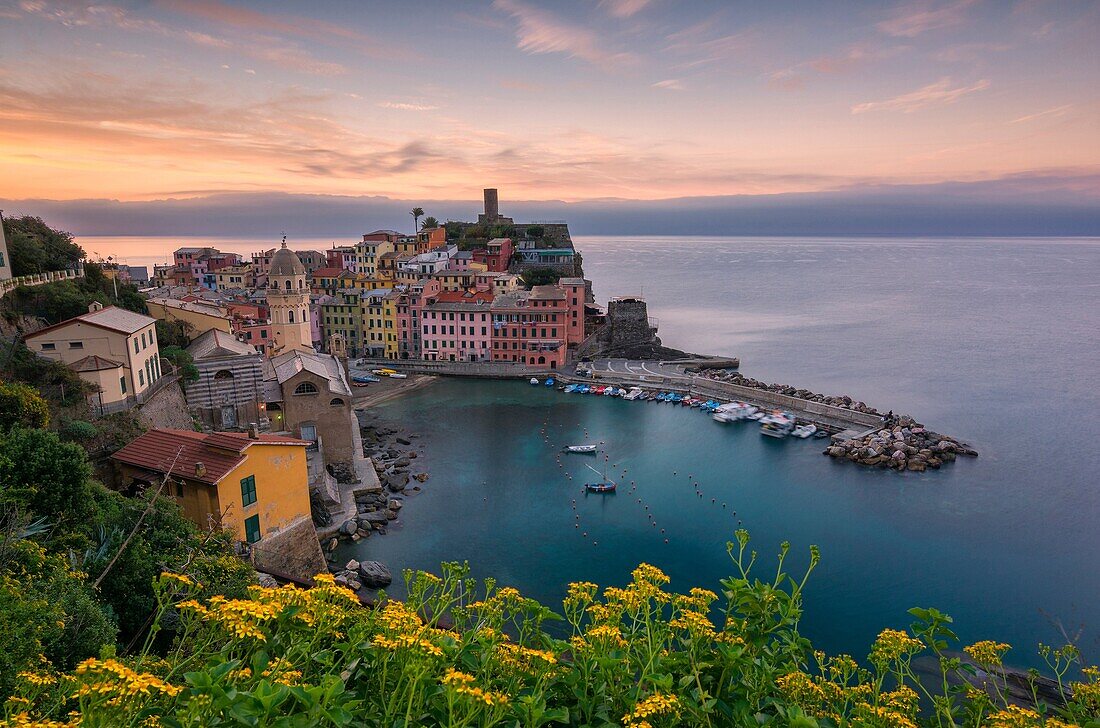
387,389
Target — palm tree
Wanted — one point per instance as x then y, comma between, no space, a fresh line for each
429,222
417,213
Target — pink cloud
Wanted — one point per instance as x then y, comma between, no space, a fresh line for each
911,20
624,8
539,31
939,93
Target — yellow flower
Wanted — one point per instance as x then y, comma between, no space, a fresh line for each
892,645
655,704
987,652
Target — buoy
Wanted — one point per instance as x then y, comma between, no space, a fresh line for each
666,540
585,533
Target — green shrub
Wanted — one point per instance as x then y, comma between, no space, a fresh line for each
636,656
78,431
22,406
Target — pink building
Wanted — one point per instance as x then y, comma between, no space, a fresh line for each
460,261
419,294
497,254
531,327
457,326
575,290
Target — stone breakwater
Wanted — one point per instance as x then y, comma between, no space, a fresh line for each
843,401
378,505
902,444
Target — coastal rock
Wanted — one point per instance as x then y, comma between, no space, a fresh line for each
373,517
266,580
374,574
352,565
394,504
403,441
348,527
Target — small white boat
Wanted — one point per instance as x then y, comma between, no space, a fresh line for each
582,449
804,431
534,381
777,424
733,412
398,375
755,416
633,394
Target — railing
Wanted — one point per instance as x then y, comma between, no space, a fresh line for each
109,408
38,279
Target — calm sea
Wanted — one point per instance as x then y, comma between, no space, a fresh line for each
996,341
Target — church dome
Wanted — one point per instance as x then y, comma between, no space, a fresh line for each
286,263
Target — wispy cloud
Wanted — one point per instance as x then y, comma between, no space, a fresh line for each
624,8
912,19
403,106
844,61
1048,114
283,53
939,93
539,31
670,84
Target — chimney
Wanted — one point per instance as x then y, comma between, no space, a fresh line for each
95,306
253,431
200,470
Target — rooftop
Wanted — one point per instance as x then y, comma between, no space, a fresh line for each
94,363
180,452
111,318
213,343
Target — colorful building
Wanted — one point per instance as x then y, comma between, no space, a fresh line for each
253,485
496,255
112,348
457,326
530,327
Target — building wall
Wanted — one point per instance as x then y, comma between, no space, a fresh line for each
197,322
282,489
333,422
137,352
109,382
233,382
5,260
533,334
450,333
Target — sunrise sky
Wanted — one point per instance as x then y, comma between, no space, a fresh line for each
575,101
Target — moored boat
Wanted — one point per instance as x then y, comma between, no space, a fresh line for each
534,380
777,424
580,449
804,431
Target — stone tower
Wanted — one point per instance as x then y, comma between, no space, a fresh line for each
492,207
288,299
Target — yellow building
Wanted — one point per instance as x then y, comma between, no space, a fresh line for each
198,317
389,321
342,314
455,280
367,254
372,316
234,276
110,347
253,485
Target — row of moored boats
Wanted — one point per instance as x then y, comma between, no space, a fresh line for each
772,424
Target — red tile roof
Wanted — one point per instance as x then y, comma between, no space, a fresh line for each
182,450
94,363
327,272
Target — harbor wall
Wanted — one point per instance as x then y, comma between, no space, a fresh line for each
817,412
482,369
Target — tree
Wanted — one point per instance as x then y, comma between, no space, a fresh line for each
22,405
35,247
183,361
539,277
429,223
172,333
43,476
417,213
535,231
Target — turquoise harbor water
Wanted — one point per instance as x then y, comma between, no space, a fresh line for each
994,341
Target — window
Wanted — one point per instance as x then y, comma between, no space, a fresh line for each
136,348
336,402
252,528
122,384
143,344
292,316
179,489
305,388
76,344
141,377
248,490
223,374
49,347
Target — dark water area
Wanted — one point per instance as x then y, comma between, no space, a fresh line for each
993,341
